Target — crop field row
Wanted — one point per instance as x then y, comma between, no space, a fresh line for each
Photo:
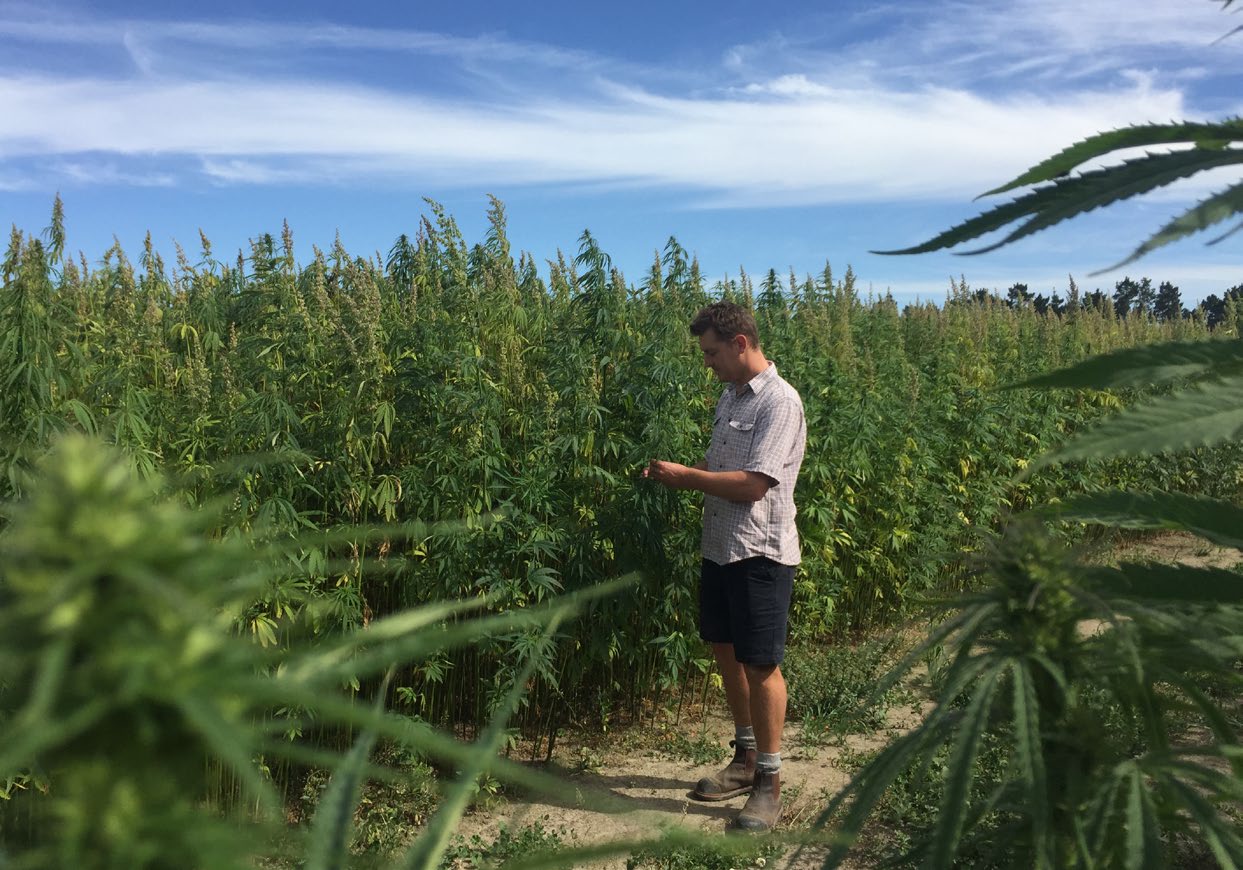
451,385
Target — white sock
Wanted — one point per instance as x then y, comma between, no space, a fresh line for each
769,762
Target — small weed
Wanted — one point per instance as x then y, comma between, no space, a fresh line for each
389,813
829,684
699,750
488,792
819,731
733,853
790,794
910,806
804,815
589,760
476,853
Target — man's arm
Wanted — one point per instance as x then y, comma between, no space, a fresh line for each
729,485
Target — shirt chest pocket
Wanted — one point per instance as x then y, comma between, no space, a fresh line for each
737,434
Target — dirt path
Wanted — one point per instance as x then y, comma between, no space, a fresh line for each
1176,548
1169,548
655,784
653,781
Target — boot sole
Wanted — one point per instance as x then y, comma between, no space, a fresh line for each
721,796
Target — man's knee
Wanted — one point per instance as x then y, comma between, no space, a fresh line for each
760,674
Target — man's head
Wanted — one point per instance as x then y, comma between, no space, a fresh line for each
729,340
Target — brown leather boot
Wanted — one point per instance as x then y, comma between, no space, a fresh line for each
737,778
763,807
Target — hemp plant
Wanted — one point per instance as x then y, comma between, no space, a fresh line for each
123,683
1166,643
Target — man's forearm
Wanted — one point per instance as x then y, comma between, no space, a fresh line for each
729,485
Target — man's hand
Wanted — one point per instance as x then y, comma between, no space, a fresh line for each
669,474
740,486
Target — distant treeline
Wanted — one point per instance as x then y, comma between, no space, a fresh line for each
1163,302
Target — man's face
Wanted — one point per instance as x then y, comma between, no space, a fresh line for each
723,357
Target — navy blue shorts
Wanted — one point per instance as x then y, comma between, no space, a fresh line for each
746,603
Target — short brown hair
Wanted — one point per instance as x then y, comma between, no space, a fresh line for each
726,319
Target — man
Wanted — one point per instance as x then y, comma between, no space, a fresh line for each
749,549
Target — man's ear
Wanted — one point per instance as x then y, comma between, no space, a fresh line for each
741,342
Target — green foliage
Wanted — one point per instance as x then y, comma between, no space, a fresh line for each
505,846
535,847
719,855
1066,196
1062,196
1218,521
125,685
332,826
112,656
450,380
830,683
1069,196
1147,365
907,812
305,404
389,812
1035,656
1197,417
699,750
309,419
1150,638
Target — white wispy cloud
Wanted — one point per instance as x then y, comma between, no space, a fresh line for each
791,85
151,38
797,133
1021,44
13,182
91,172
814,145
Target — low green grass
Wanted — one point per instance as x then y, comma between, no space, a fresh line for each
733,853
829,683
509,844
700,749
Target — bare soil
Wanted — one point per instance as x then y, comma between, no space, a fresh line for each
654,787
1169,548
1176,548
653,781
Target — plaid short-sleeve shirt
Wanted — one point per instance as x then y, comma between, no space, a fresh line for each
762,429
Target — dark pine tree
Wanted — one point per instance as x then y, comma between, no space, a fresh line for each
1169,302
1017,295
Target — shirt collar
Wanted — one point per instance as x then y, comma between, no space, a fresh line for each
763,379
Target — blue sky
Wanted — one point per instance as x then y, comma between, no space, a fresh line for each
760,137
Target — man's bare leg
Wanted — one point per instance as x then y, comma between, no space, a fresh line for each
738,777
766,688
734,676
